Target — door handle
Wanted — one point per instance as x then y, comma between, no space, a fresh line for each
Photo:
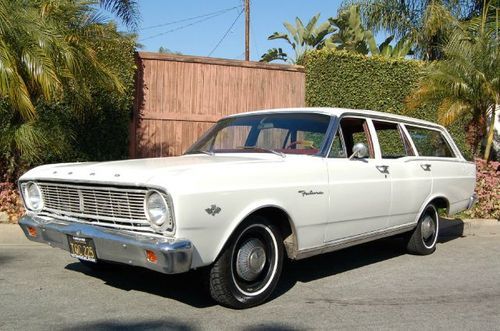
383,168
426,167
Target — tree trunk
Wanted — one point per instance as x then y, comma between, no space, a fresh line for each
491,133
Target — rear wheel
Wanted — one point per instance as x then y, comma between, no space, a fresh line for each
422,240
248,269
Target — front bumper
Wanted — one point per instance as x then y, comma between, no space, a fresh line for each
174,255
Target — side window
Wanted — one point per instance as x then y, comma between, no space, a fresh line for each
391,141
354,130
429,142
337,150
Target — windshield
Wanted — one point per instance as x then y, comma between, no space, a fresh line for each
289,133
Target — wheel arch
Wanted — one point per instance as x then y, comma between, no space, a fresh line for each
438,200
274,213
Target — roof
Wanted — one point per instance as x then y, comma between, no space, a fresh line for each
339,112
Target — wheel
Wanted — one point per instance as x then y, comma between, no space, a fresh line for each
247,271
422,240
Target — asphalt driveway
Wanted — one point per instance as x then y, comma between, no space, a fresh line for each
374,286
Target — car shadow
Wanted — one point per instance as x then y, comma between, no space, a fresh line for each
190,288
450,229
4,259
166,325
143,325
186,287
337,262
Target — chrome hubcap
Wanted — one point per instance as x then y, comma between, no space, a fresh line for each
251,259
428,228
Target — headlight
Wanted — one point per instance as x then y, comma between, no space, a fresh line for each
33,196
156,208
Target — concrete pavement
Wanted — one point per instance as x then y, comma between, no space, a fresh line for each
375,285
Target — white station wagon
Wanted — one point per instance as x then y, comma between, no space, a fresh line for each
256,188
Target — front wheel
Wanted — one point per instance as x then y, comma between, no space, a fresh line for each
248,269
422,241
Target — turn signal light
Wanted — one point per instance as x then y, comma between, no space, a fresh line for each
32,231
151,256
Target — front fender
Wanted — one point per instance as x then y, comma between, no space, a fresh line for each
210,233
249,210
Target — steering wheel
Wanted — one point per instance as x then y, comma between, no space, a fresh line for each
307,143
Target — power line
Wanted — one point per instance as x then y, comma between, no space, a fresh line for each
189,19
225,34
183,26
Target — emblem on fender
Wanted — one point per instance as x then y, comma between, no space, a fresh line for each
213,210
311,192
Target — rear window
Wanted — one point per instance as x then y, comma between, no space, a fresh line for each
429,142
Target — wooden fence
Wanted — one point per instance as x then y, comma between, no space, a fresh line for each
179,97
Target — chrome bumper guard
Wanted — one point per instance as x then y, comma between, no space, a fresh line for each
174,255
472,201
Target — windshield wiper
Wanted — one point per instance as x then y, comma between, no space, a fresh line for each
202,151
263,149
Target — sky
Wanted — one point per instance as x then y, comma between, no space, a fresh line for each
203,36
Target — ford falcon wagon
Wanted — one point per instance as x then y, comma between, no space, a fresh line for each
257,188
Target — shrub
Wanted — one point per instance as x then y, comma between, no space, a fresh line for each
63,132
487,190
10,202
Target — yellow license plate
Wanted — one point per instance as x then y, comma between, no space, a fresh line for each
82,248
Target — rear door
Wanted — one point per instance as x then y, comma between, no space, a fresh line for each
411,180
452,176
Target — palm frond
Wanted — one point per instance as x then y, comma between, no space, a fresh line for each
451,110
126,10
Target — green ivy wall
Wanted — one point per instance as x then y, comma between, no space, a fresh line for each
343,79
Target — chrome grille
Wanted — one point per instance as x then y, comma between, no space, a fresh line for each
102,205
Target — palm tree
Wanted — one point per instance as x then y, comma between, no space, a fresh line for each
352,36
467,81
346,32
425,22
47,55
126,10
301,38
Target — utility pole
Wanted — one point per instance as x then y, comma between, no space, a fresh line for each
247,30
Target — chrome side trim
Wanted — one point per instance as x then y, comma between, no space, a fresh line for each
434,159
354,240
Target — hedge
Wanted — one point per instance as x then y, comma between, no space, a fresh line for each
349,80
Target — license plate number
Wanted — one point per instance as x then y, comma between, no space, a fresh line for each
82,248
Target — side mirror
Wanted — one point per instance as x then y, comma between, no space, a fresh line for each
359,151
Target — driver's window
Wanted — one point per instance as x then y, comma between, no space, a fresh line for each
354,130
337,151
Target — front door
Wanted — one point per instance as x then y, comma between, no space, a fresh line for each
360,188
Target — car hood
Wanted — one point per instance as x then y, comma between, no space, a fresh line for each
139,172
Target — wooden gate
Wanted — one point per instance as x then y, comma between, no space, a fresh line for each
179,97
